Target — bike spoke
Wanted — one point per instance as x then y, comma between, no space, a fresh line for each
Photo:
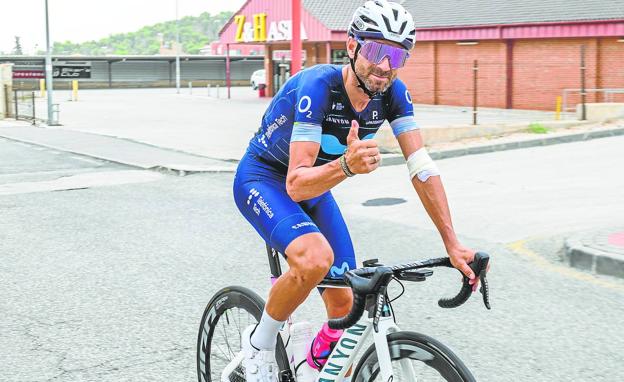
226,356
227,341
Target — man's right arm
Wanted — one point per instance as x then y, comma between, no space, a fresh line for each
304,181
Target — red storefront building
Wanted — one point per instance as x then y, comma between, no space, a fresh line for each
527,51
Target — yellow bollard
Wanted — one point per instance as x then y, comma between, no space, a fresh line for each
42,87
558,109
75,90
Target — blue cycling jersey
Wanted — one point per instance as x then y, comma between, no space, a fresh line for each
313,106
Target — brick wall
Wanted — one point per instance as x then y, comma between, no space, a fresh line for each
611,67
543,68
419,73
441,72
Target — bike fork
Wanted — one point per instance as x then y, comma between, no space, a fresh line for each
386,327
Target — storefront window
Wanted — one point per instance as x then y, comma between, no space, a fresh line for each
339,56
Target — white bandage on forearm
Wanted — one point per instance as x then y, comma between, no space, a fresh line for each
420,164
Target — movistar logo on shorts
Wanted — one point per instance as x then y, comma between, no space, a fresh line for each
303,224
334,271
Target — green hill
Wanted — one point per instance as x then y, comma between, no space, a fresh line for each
195,32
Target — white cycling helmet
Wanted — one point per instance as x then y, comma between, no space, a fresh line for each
385,20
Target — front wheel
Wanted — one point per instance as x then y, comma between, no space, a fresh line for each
228,313
415,357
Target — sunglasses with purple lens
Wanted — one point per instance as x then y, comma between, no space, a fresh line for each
375,52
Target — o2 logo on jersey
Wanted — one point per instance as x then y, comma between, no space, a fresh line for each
305,100
408,97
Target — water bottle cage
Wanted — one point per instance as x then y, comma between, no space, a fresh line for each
316,359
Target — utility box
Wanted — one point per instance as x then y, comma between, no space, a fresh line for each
6,90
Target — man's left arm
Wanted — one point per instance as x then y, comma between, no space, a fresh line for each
430,190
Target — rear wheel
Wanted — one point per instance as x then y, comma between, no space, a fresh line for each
227,314
415,357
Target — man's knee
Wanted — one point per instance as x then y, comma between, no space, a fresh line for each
310,262
338,301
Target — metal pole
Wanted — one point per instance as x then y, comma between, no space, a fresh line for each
16,105
227,69
475,70
177,51
110,74
583,109
48,70
7,102
34,114
295,42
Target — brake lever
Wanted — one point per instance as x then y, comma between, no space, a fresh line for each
479,267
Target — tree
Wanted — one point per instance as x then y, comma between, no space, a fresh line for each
18,47
195,32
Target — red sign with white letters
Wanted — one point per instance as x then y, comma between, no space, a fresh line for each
28,74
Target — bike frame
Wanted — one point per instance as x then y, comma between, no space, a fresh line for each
378,316
348,347
350,343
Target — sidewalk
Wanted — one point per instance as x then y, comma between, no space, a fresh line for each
600,251
112,149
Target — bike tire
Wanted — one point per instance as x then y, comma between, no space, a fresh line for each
434,360
226,300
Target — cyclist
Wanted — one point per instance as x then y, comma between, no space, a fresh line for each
316,133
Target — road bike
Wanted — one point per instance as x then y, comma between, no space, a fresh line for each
395,355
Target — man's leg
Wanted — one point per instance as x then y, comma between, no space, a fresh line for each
309,258
337,301
325,213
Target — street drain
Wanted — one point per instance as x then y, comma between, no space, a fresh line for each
383,202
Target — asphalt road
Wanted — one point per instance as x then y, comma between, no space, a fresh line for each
106,281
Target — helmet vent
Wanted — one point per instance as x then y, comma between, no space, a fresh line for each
396,13
387,22
403,27
369,21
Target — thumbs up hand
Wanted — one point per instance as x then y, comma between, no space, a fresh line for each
362,156
353,133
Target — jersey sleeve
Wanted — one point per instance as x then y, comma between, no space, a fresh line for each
401,115
312,97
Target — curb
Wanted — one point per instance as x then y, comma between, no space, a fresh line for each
169,169
580,256
396,159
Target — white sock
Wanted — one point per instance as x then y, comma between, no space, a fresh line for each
347,379
265,335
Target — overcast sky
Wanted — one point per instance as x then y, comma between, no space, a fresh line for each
83,20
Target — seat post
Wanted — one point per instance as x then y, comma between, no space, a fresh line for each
274,262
